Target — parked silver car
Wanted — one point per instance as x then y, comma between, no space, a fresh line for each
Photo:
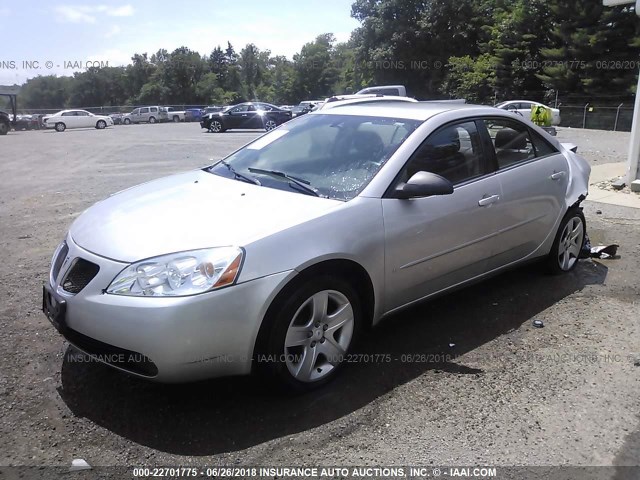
275,258
146,115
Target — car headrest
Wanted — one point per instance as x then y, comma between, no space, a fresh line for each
511,139
444,143
367,142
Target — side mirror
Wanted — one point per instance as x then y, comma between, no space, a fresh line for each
423,184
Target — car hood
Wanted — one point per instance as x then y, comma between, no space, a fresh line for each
190,211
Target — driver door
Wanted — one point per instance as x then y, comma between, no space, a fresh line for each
436,242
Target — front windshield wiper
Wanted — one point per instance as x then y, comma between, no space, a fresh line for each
300,182
236,174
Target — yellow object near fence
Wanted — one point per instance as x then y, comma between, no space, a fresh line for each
541,116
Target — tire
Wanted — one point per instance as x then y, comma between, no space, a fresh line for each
127,121
176,118
4,128
60,127
216,126
270,124
568,243
101,125
152,119
300,346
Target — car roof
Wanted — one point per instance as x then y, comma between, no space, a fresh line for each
403,109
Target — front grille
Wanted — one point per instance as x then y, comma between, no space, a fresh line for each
58,261
128,360
79,275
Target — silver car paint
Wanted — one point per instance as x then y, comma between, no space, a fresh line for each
409,250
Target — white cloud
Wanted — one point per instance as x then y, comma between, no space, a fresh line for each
89,13
113,31
124,11
77,14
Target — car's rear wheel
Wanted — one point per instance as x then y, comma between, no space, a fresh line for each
270,125
4,128
176,118
152,119
305,341
60,127
126,121
568,242
101,125
216,126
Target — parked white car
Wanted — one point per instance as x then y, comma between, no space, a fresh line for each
523,107
76,119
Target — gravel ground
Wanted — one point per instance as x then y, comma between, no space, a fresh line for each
483,385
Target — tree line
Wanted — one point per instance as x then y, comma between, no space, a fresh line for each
481,50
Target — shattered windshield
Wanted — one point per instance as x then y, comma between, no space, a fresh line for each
337,155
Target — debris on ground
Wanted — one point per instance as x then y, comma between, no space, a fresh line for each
618,184
599,251
604,251
78,464
538,323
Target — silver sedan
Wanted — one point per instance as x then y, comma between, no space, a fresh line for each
275,258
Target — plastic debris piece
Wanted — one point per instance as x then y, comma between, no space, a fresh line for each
451,345
538,323
78,464
586,248
604,251
598,212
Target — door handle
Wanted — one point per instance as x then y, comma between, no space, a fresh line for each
557,175
488,200
244,114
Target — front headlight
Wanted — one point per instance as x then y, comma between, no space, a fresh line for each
180,274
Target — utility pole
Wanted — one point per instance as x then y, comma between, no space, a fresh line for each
633,175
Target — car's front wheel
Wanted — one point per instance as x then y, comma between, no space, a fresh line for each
101,125
4,128
216,126
568,242
270,125
60,127
305,342
126,121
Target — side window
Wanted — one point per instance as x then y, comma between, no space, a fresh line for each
454,152
144,110
525,106
81,113
511,141
240,109
68,114
136,111
154,109
541,146
251,108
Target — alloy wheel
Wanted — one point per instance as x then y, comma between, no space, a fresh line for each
570,243
319,335
270,125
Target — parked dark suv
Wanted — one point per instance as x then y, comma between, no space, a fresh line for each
247,115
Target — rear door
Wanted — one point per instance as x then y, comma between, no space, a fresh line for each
144,115
70,119
436,242
533,176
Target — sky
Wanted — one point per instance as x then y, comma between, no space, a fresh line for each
59,38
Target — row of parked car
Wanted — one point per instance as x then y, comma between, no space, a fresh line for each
247,115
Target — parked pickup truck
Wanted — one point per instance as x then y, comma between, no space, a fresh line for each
174,115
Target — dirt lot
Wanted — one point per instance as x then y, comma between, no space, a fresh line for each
485,386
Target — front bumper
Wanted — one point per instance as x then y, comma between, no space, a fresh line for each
184,338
